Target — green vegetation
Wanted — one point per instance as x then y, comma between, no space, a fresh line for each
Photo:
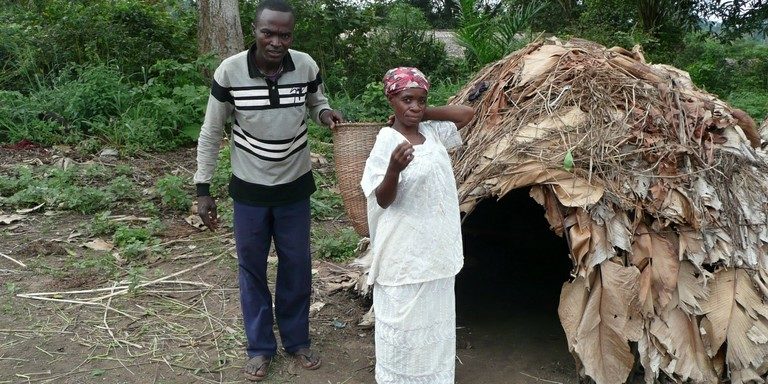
173,193
335,245
127,75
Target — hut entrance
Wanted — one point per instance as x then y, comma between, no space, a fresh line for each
508,292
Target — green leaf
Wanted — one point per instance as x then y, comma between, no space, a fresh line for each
568,161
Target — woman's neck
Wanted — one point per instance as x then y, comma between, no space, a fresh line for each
410,132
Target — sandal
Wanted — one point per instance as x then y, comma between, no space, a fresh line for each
307,358
257,367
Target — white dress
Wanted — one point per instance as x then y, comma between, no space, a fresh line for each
417,252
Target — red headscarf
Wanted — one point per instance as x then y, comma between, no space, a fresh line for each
400,78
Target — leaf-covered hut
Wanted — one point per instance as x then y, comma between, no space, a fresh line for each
661,196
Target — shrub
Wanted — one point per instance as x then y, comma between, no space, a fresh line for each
755,103
44,36
171,190
336,246
370,106
489,36
326,202
403,40
220,181
724,68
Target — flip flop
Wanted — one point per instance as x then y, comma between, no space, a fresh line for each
257,367
307,358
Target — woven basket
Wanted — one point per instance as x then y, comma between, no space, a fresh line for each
352,143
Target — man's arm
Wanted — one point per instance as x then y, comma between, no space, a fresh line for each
317,104
220,107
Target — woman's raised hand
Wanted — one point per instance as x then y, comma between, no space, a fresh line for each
401,156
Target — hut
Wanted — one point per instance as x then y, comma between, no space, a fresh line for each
660,196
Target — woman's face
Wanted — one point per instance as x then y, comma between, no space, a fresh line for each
409,106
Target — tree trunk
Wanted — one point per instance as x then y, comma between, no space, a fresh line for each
218,28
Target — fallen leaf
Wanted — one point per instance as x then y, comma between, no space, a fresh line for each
195,221
691,288
573,300
8,219
316,307
28,210
99,245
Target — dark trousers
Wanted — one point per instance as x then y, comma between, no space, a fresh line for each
255,228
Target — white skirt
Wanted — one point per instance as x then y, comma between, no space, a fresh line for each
415,332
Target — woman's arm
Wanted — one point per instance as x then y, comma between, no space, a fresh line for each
460,115
386,192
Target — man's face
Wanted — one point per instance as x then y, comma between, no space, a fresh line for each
274,35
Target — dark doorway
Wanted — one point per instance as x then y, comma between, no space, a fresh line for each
507,295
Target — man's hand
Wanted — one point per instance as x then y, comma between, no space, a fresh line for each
330,118
206,208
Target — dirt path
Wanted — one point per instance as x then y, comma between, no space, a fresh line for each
179,320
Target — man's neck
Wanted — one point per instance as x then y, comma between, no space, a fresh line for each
268,69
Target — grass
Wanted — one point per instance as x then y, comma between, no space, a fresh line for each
338,245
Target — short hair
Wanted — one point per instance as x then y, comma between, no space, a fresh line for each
273,5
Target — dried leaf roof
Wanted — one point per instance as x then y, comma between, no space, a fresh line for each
658,191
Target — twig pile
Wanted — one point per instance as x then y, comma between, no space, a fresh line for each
143,322
659,192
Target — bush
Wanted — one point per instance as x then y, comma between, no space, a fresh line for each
336,246
370,106
721,68
755,103
98,101
172,193
403,40
330,30
45,36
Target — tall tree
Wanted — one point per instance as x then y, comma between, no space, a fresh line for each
739,17
218,28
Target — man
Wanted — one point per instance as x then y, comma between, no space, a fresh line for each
267,91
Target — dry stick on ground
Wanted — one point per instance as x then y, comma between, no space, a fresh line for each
219,362
14,260
109,330
540,379
75,371
124,291
78,302
6,330
194,239
119,288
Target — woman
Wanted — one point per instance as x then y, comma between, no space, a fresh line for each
413,217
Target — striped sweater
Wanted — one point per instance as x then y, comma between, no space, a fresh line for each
270,154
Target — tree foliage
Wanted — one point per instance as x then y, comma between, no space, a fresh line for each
127,72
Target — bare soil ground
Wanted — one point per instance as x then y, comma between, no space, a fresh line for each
65,317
